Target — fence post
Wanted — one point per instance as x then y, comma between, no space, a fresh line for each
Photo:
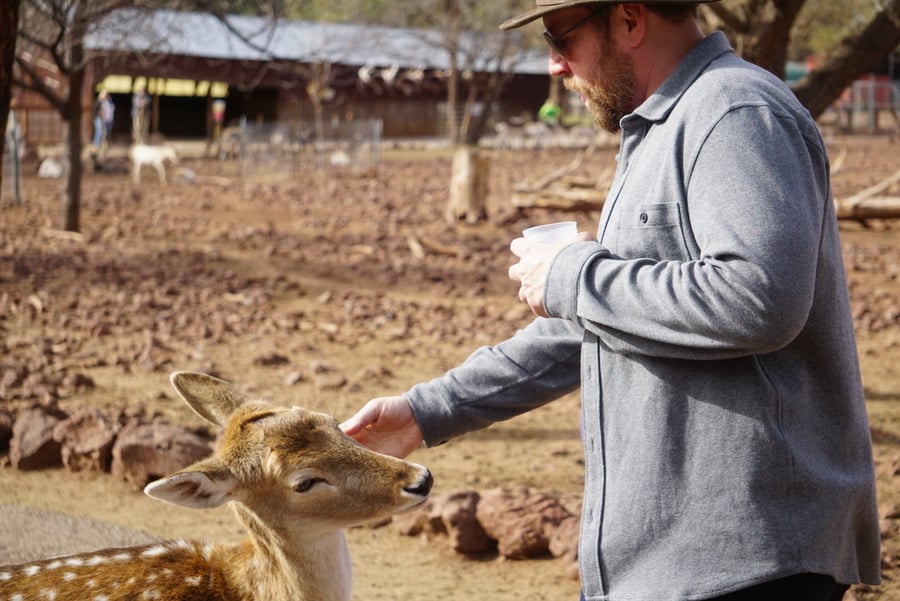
14,173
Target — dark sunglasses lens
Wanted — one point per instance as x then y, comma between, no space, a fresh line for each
554,44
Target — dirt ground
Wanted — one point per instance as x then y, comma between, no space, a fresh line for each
306,287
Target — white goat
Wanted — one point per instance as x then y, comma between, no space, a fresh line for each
156,156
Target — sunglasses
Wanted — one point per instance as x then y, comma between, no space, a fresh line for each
557,43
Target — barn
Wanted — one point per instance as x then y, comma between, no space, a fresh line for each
286,72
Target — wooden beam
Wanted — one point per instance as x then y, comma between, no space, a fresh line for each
875,207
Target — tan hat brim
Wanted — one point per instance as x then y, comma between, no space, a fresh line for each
532,15
550,6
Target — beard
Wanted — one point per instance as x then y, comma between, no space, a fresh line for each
610,92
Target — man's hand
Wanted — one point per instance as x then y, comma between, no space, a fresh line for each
385,425
531,270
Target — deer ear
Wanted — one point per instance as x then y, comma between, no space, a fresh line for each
204,485
211,398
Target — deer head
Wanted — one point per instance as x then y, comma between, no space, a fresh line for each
294,479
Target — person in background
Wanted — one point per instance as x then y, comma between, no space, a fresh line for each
708,325
550,113
98,120
104,113
140,114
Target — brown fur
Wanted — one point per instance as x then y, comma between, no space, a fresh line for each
294,481
181,572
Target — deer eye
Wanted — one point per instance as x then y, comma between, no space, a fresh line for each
305,484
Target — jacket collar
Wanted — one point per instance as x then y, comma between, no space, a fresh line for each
660,103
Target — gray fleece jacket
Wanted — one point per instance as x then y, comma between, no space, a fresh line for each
709,327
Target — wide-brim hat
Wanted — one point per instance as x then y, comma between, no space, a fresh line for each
545,7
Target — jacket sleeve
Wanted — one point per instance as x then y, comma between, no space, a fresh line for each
538,364
755,196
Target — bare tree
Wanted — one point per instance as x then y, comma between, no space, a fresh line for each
759,29
479,60
9,20
854,56
462,34
761,32
55,31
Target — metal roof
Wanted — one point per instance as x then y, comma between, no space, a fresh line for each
247,38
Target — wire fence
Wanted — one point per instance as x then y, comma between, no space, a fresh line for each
863,103
292,148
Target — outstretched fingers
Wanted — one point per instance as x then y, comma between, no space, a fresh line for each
385,425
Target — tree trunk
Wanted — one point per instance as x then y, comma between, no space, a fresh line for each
72,145
468,186
857,55
9,25
478,124
766,42
452,123
759,29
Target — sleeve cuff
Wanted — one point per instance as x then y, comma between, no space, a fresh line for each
562,285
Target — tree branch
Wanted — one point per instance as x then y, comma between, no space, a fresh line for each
36,83
855,55
728,18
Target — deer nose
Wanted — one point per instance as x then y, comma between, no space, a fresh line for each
422,486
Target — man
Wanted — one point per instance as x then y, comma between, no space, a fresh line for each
550,112
140,114
727,448
104,114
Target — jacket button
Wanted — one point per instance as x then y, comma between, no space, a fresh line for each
644,217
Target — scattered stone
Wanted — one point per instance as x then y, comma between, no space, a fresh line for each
327,376
32,446
271,360
294,378
519,523
450,514
6,423
520,520
330,380
564,539
75,382
457,513
146,452
86,439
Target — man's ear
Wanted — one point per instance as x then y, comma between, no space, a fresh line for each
633,18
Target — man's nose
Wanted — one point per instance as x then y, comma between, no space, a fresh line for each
557,65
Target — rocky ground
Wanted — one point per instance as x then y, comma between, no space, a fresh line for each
324,289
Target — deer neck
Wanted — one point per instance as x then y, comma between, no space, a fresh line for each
294,564
324,567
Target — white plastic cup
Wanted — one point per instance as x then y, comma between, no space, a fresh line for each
560,231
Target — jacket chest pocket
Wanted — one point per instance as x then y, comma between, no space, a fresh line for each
651,231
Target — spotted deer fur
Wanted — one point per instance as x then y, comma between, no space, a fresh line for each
293,479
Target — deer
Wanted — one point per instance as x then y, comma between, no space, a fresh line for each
294,481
